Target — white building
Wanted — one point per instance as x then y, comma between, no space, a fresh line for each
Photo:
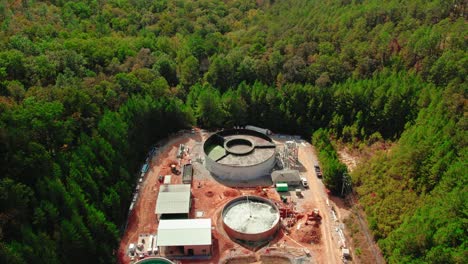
193,235
173,201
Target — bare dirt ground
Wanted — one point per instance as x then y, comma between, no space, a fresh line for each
291,245
351,157
365,249
330,252
142,219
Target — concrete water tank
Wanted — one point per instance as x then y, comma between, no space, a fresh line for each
250,219
239,156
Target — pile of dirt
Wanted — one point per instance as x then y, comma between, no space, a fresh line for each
309,234
231,193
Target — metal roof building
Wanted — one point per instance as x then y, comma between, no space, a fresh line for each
290,177
173,199
184,232
194,235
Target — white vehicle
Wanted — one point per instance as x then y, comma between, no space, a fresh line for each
131,249
304,182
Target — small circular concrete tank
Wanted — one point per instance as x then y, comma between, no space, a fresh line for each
239,155
250,219
154,260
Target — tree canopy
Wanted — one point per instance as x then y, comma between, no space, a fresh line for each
87,86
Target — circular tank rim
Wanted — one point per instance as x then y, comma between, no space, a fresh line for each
239,132
235,139
148,259
231,203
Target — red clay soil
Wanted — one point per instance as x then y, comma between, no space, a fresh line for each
142,219
308,233
209,197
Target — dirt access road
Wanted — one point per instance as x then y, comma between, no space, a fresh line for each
330,252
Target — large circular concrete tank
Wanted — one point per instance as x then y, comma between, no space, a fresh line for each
250,219
239,155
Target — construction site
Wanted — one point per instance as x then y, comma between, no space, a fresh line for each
241,195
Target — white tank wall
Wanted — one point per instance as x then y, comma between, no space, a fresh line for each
233,173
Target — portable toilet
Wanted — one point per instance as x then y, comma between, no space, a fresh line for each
167,179
281,187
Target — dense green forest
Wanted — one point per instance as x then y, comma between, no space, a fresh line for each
87,86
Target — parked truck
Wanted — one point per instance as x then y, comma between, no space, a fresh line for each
317,170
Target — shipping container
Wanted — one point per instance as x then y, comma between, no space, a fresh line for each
187,174
282,187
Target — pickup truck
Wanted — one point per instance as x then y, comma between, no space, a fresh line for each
318,171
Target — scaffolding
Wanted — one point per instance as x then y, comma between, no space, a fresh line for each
290,155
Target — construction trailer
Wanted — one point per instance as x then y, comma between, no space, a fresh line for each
185,237
187,174
173,202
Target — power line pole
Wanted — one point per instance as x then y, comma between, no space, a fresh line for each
346,188
345,184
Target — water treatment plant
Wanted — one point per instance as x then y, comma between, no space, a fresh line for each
230,196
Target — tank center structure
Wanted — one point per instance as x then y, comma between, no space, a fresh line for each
239,157
239,146
250,219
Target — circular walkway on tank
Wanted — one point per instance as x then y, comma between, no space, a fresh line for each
239,155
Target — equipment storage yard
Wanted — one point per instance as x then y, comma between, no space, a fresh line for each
301,235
